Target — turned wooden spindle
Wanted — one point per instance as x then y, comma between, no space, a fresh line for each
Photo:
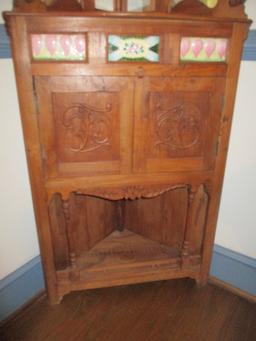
185,247
69,232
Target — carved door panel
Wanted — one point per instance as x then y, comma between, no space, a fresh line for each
81,119
177,123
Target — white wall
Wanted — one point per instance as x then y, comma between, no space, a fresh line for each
236,227
18,241
237,220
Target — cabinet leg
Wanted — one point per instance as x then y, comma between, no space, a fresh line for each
54,300
201,281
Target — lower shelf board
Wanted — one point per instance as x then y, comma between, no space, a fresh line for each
125,249
123,257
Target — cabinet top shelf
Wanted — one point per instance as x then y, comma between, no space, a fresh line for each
163,9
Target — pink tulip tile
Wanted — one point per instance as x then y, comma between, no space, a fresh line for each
58,47
198,49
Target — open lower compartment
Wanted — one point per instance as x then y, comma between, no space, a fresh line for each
99,242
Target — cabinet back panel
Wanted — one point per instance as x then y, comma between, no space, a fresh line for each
161,219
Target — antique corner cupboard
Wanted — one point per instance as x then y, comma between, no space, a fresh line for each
126,116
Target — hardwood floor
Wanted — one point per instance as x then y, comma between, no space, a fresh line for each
160,311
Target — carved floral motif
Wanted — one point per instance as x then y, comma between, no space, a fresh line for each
87,128
178,127
129,192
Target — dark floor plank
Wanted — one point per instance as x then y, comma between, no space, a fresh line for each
161,311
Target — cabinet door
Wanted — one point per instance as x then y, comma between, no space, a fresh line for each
176,123
81,120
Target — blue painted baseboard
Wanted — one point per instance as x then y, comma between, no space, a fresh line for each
19,287
235,269
5,50
249,53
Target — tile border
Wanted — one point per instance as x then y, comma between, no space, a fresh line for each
249,53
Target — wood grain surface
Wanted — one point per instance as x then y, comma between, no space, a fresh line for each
162,311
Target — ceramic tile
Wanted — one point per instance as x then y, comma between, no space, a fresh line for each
58,47
199,49
133,48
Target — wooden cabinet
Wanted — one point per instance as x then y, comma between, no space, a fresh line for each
126,121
